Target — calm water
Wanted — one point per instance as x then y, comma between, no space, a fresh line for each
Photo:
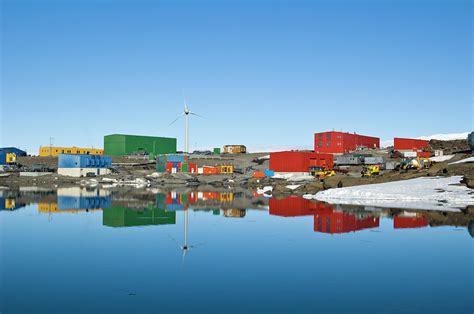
107,252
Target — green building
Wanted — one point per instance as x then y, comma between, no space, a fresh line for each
122,144
117,216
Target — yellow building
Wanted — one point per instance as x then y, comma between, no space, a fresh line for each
46,151
235,149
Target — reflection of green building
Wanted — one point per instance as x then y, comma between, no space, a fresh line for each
117,216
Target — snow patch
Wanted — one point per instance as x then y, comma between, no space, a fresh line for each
293,186
445,137
427,193
294,177
470,159
441,158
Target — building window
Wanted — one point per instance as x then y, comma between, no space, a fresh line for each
328,144
320,144
328,136
320,135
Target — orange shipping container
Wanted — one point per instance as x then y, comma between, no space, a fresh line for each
209,170
259,174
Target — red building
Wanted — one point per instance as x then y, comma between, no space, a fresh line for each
340,142
410,144
299,161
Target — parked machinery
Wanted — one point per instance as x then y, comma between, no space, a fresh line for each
320,172
370,170
415,164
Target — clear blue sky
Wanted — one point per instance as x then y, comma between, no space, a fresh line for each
263,73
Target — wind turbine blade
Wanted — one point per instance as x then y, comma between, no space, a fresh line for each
195,114
174,240
185,104
176,119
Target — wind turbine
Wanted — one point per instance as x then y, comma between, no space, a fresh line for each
186,113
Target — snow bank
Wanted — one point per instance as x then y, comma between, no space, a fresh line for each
427,193
470,159
294,177
445,137
293,186
441,158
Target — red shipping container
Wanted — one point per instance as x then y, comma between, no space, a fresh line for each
342,142
410,144
423,154
192,168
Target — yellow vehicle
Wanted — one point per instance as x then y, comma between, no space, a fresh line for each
321,172
371,170
416,164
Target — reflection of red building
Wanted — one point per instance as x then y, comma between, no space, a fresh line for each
326,219
330,221
417,221
291,206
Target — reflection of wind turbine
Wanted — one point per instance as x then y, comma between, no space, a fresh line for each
186,114
185,247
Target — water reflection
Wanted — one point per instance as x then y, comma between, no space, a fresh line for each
143,248
327,218
9,202
410,220
334,219
159,208
118,216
